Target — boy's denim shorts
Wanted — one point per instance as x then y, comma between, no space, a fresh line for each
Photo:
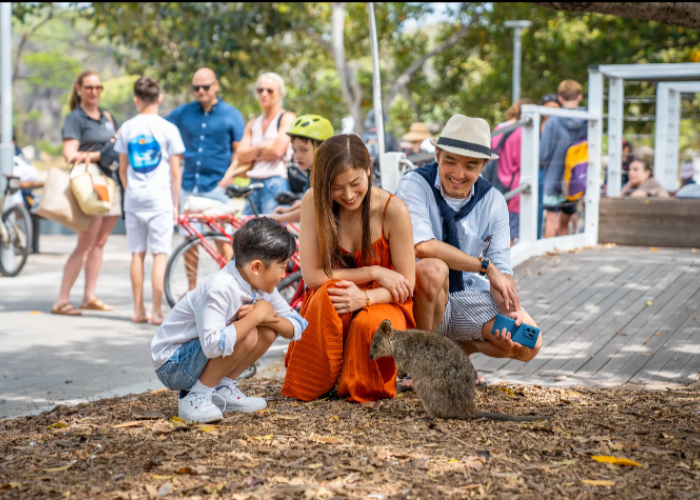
184,367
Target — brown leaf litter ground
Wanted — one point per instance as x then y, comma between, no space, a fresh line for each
131,448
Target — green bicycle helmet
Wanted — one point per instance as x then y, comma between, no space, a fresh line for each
313,127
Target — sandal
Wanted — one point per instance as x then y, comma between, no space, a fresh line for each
483,383
401,385
66,309
96,305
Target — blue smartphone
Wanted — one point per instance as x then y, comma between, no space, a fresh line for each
503,322
526,335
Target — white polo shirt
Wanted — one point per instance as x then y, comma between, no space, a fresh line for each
488,218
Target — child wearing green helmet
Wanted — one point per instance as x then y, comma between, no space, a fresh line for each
307,133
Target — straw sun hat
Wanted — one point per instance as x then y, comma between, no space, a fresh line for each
466,136
417,133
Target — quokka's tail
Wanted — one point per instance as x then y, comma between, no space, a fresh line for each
510,418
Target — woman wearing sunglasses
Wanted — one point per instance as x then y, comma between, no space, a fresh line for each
266,145
86,130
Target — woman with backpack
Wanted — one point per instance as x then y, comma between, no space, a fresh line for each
266,145
508,148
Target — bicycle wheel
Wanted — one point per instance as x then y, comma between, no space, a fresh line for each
190,264
289,288
248,372
15,241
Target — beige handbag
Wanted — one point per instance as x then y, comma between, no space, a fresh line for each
93,190
58,204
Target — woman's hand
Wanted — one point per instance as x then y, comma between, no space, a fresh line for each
224,183
399,286
75,156
347,297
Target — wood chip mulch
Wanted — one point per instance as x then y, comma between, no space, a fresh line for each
646,444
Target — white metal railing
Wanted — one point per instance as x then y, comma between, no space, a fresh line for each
666,148
529,245
396,165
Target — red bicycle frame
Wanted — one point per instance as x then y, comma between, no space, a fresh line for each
217,224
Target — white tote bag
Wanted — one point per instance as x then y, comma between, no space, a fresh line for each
93,190
58,203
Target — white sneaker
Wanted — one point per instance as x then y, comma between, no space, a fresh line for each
199,408
233,399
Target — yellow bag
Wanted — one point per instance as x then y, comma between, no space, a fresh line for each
93,190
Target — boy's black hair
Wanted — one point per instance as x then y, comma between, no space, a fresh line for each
147,89
262,239
307,140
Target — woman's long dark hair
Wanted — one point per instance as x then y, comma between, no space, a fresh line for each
74,97
336,155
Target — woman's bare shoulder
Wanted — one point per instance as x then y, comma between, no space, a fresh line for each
396,210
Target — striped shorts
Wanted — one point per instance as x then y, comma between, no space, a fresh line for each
466,313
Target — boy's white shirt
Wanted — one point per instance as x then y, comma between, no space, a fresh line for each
149,191
207,313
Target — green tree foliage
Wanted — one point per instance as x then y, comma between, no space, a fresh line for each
475,76
241,40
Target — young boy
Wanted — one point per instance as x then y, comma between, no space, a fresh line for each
307,133
225,324
149,168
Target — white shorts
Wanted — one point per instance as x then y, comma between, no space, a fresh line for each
156,228
466,313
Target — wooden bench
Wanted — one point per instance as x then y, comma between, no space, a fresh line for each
650,221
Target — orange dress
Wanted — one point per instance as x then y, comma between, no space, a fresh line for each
335,348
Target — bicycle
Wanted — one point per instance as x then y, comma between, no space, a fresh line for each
189,266
15,232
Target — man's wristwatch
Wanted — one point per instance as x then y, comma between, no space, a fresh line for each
485,261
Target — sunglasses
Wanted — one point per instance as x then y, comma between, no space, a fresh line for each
206,88
90,88
550,98
262,91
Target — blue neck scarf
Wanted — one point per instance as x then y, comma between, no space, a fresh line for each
450,217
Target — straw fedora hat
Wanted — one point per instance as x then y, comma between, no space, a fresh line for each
466,136
417,132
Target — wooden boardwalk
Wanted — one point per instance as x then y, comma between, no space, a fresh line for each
609,316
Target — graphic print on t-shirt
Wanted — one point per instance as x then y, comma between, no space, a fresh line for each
144,154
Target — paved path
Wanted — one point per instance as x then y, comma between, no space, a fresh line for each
591,306
45,359
610,316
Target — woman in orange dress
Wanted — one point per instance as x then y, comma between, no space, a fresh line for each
358,261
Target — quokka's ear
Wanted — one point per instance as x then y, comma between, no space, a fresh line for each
385,327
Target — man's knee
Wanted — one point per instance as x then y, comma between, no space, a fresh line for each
529,354
431,276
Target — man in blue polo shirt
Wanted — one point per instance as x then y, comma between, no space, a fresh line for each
461,235
211,130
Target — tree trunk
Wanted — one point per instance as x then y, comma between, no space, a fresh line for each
400,85
352,92
686,14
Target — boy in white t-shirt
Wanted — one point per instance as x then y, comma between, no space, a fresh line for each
149,168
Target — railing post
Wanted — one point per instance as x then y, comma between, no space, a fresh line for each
670,175
616,114
529,170
6,147
595,142
391,170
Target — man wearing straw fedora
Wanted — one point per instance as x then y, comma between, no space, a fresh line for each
461,234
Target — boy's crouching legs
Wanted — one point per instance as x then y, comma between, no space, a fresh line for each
247,351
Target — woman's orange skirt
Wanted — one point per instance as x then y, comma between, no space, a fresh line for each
335,348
